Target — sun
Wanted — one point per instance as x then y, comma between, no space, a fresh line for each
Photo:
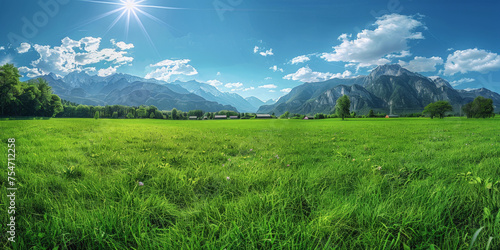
130,5
131,10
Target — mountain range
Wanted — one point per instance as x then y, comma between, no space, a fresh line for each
387,89
123,89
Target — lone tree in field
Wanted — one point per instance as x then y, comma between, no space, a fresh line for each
438,108
480,108
342,107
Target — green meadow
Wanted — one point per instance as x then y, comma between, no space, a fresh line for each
254,184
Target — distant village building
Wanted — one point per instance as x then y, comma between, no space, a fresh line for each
308,118
233,117
193,118
220,117
263,116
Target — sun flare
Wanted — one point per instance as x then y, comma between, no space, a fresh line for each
128,10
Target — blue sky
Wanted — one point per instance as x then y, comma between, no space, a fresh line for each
259,48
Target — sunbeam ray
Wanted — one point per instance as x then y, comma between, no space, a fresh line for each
129,8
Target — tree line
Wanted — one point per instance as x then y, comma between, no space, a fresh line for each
35,98
31,98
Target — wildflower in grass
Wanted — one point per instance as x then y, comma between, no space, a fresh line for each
223,165
288,165
251,150
141,184
353,159
227,178
229,159
379,168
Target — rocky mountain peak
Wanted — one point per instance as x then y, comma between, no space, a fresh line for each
390,70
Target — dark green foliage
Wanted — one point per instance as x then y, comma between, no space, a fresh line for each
343,106
371,113
10,87
197,113
158,114
285,115
320,116
438,109
33,98
480,108
96,115
174,114
142,112
115,115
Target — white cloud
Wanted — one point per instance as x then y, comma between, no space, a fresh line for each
300,59
275,68
422,64
268,78
404,53
215,83
234,85
288,90
272,91
30,72
306,74
168,68
2,48
268,86
91,44
107,72
122,45
267,53
471,60
218,74
25,47
370,47
462,81
77,56
6,59
263,51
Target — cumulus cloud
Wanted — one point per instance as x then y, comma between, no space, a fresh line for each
390,38
300,59
77,56
471,60
122,45
422,64
306,74
30,72
287,90
90,44
168,68
272,91
107,72
263,51
275,68
268,86
404,53
268,52
23,48
234,85
462,81
2,48
215,83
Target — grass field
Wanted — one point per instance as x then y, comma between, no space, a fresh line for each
254,184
